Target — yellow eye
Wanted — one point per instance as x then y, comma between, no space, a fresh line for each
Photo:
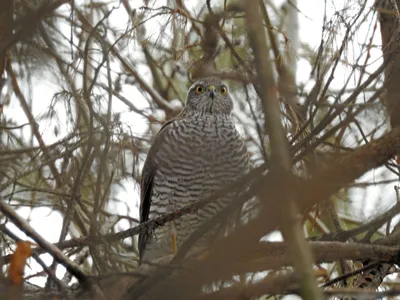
222,90
199,89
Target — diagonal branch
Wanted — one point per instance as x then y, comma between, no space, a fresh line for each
72,267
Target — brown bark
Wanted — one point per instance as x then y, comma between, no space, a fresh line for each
390,25
6,20
287,210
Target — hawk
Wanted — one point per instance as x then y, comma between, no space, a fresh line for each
193,155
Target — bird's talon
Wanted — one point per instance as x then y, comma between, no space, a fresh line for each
173,240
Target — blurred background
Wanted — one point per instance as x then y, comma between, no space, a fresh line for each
85,85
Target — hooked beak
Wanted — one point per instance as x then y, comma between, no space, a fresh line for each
212,91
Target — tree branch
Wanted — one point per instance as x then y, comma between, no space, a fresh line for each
287,210
72,267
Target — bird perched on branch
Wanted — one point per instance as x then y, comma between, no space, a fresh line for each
197,153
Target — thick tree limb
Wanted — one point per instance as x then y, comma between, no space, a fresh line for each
390,29
343,170
287,210
6,19
266,256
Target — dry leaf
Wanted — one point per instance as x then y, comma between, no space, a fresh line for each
18,261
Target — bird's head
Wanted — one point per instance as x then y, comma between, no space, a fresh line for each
209,95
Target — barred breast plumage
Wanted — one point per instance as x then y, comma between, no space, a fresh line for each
192,156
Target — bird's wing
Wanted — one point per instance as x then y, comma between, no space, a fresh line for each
147,182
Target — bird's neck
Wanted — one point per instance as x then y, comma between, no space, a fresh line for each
204,114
